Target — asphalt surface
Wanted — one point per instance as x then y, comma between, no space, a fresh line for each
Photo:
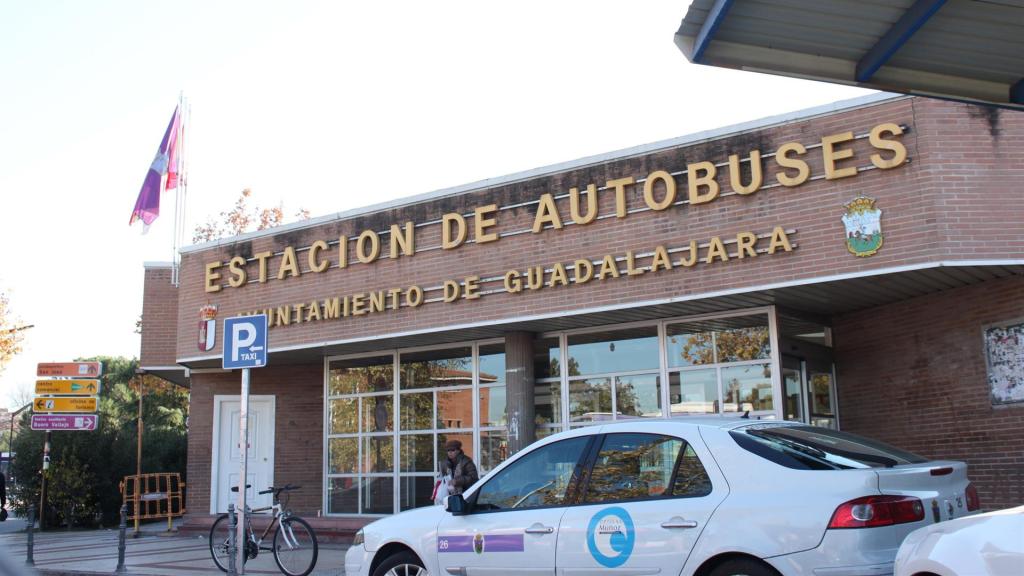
154,553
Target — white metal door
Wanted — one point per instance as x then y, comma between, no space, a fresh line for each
260,468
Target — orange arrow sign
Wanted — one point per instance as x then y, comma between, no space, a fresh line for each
79,369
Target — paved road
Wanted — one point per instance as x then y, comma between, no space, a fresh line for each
95,552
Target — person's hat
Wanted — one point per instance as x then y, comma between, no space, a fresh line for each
453,445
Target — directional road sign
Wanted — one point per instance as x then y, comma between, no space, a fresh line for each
65,421
68,387
71,369
245,342
61,404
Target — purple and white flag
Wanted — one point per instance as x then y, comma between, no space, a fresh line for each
147,207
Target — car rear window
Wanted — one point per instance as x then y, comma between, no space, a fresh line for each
814,448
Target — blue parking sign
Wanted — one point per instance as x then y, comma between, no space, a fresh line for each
245,342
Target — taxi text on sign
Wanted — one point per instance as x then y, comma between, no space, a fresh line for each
76,387
62,404
70,369
245,342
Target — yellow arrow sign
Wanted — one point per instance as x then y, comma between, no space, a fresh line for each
68,387
61,404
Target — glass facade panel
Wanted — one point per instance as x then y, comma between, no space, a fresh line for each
638,396
343,495
792,409
546,358
417,410
417,453
361,375
688,346
378,494
693,392
343,455
455,408
590,400
747,387
492,364
493,449
378,413
378,454
739,344
415,491
492,406
547,400
435,368
344,416
618,351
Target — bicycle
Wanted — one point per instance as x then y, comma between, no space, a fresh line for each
294,545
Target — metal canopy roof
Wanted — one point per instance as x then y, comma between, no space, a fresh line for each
970,50
800,303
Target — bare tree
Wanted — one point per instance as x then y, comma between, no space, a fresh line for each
241,218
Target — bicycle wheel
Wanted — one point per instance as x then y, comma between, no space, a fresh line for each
295,547
220,533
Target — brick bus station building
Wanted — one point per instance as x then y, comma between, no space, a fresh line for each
857,266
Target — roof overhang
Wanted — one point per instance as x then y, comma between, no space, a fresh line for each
175,374
801,303
969,50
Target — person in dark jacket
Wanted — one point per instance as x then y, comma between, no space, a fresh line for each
459,466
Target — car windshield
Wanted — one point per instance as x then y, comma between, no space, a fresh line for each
813,448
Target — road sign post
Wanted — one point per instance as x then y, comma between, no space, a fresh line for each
245,347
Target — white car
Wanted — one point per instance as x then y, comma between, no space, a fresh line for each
989,544
707,497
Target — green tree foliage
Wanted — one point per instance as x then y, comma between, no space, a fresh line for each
87,468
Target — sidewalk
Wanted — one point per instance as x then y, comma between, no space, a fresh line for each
92,552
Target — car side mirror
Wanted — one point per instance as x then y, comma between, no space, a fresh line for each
456,505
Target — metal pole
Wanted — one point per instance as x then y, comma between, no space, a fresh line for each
42,486
243,418
232,542
138,462
31,532
120,538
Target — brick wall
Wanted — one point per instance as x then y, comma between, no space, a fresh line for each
913,374
298,458
159,318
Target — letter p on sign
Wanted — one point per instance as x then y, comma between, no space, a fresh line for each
245,342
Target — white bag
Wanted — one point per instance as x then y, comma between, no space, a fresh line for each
441,489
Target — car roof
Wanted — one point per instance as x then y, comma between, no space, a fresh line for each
721,422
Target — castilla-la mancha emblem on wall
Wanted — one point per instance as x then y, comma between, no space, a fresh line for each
207,327
863,222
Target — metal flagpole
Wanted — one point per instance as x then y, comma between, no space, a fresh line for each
177,189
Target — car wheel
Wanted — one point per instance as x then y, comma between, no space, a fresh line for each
743,567
401,564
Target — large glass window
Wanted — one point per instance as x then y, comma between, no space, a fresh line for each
606,374
386,430
720,365
547,390
633,467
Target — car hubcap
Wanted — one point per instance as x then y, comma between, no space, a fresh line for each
407,570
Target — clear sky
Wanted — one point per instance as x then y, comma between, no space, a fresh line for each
326,106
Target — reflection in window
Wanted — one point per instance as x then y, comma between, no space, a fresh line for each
538,479
417,453
691,477
378,454
492,406
694,392
716,341
344,416
546,354
378,412
638,396
547,399
687,348
590,400
343,496
747,387
632,466
455,408
434,368
619,351
361,375
417,410
342,454
493,449
378,495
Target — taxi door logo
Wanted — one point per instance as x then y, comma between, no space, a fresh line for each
863,222
611,537
207,327
478,543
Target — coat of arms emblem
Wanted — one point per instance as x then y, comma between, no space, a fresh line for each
863,222
478,543
207,327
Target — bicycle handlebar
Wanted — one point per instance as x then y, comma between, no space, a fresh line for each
277,491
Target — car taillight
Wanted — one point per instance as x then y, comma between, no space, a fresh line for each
871,511
973,501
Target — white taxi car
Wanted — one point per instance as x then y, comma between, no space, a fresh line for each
989,544
705,497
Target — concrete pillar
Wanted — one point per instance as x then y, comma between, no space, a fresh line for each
519,389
